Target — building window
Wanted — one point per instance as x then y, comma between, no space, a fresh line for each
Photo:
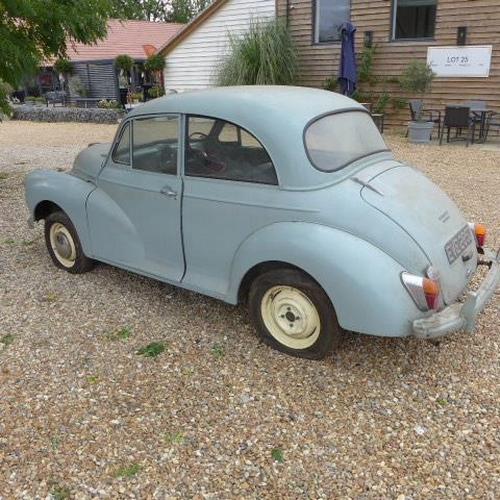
329,16
413,19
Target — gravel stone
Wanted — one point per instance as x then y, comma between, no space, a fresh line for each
83,416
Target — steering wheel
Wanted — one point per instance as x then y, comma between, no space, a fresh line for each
198,135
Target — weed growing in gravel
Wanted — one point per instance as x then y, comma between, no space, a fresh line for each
27,243
3,175
128,470
441,401
54,442
151,350
10,241
58,492
218,350
122,334
93,378
51,297
7,339
277,454
175,437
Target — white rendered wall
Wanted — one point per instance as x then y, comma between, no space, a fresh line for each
192,64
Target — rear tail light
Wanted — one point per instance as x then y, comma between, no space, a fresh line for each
425,292
431,292
479,231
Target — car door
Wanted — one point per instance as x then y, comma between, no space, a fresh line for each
135,214
230,191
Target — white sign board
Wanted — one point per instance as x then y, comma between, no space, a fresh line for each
467,61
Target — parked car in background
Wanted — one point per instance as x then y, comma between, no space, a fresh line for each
284,197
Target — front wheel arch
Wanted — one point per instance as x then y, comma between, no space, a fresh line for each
45,208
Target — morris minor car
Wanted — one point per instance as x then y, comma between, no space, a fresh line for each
282,197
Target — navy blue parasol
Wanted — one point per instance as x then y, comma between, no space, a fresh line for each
347,68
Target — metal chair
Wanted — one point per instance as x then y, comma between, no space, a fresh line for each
478,115
428,115
457,117
492,120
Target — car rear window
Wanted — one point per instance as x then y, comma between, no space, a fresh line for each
333,141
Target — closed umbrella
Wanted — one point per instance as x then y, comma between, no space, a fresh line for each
347,68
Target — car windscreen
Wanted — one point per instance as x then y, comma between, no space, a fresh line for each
333,141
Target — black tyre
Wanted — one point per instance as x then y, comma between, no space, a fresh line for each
293,314
64,245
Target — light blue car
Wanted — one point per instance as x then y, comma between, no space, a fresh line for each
284,197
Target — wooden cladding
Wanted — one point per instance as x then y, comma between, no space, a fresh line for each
481,18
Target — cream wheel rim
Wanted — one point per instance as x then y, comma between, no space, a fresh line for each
290,317
62,244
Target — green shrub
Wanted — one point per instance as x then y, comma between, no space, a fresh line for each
264,55
124,62
155,62
111,104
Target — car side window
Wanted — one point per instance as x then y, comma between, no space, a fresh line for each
121,152
155,142
222,150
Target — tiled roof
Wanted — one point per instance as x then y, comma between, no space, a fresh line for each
137,39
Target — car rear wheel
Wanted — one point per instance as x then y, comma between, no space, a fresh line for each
293,314
64,245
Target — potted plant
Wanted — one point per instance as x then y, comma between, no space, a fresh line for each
417,79
65,68
124,64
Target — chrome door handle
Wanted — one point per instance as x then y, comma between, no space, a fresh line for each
168,191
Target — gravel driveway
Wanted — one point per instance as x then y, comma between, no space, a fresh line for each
217,415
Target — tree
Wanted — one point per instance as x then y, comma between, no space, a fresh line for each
33,30
175,11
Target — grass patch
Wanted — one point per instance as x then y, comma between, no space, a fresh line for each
218,350
58,492
7,339
128,470
277,454
122,334
93,378
151,350
3,175
175,438
54,442
10,241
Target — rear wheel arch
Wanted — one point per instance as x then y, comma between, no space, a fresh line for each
254,272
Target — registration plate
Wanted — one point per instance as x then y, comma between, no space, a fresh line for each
455,247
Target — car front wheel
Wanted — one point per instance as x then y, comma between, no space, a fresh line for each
293,314
64,245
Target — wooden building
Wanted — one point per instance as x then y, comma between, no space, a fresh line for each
400,30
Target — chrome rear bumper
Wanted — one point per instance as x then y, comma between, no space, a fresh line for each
458,315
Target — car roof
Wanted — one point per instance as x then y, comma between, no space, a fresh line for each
233,102
275,115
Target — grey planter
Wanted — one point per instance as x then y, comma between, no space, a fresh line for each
420,132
